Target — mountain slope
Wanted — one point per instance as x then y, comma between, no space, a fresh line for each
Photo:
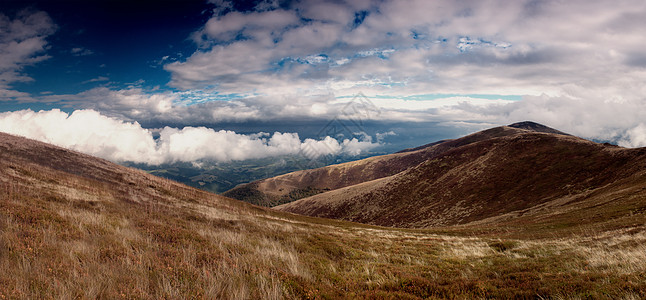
75,226
482,178
300,184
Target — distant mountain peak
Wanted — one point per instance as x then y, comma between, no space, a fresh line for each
533,126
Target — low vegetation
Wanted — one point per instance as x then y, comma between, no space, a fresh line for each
497,175
272,191
96,230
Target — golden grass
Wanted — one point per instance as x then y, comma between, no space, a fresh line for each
68,236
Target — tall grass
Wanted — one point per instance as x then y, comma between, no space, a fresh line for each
137,236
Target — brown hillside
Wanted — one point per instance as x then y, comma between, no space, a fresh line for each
511,170
301,184
77,227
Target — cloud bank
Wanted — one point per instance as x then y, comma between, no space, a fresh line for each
92,133
605,119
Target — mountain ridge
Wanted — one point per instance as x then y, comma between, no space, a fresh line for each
300,184
480,179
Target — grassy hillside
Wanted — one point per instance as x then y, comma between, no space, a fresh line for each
289,187
520,171
296,185
73,226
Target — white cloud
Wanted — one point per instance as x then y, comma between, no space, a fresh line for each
617,120
635,137
129,104
85,131
22,43
327,11
594,116
90,132
493,47
382,135
355,146
258,25
586,79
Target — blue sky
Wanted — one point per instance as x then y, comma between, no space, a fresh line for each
115,43
155,72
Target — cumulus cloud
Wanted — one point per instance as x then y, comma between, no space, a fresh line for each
524,47
90,132
257,25
577,64
22,43
85,131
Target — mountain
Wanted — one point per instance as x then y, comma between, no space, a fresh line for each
75,226
301,184
520,170
533,126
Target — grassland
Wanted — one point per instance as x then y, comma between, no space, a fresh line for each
510,173
96,230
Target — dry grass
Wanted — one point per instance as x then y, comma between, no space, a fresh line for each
133,236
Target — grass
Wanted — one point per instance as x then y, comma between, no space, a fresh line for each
128,235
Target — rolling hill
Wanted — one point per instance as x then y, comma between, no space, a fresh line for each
75,226
301,184
504,170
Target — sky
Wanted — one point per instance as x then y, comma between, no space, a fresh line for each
164,81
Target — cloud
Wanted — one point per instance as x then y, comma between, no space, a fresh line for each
79,51
201,107
90,132
586,79
635,137
382,135
355,146
496,47
594,117
256,25
578,66
129,104
85,131
97,79
22,43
